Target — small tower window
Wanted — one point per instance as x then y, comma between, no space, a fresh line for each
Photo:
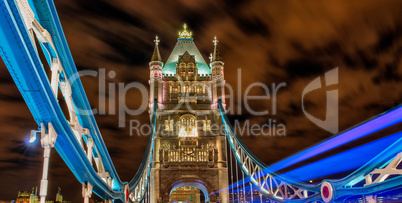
182,69
169,124
206,124
190,69
188,127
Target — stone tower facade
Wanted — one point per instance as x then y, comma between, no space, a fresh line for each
190,149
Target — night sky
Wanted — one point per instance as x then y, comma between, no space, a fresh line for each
271,41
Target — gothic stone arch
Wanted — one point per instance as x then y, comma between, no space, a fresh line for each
204,184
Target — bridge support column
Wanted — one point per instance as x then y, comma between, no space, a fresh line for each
90,146
86,191
66,91
44,181
55,67
47,140
371,199
251,192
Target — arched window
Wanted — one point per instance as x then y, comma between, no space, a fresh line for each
169,124
182,69
190,69
188,126
206,124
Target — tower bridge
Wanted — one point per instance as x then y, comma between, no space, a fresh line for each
186,98
190,154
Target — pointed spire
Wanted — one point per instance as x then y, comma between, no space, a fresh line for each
156,56
216,56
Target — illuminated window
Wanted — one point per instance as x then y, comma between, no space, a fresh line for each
182,69
169,124
206,124
190,69
188,126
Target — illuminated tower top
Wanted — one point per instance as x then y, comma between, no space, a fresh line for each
185,33
185,44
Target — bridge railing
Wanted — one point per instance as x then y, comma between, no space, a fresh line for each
20,54
188,156
138,186
47,16
268,183
375,165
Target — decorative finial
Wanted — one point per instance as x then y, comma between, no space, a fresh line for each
210,57
185,33
156,56
216,56
215,41
156,40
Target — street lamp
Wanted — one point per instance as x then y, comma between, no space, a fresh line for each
32,137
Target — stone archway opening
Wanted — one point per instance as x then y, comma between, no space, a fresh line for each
189,192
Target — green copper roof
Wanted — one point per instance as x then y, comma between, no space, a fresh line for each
183,45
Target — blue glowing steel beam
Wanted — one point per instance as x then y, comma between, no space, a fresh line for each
148,155
378,123
363,158
231,134
46,13
24,65
343,162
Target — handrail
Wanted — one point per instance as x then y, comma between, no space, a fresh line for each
344,186
23,63
139,183
268,183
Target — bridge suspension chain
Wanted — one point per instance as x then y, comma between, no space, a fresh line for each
268,184
139,185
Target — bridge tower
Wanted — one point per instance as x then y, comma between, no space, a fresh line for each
190,147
